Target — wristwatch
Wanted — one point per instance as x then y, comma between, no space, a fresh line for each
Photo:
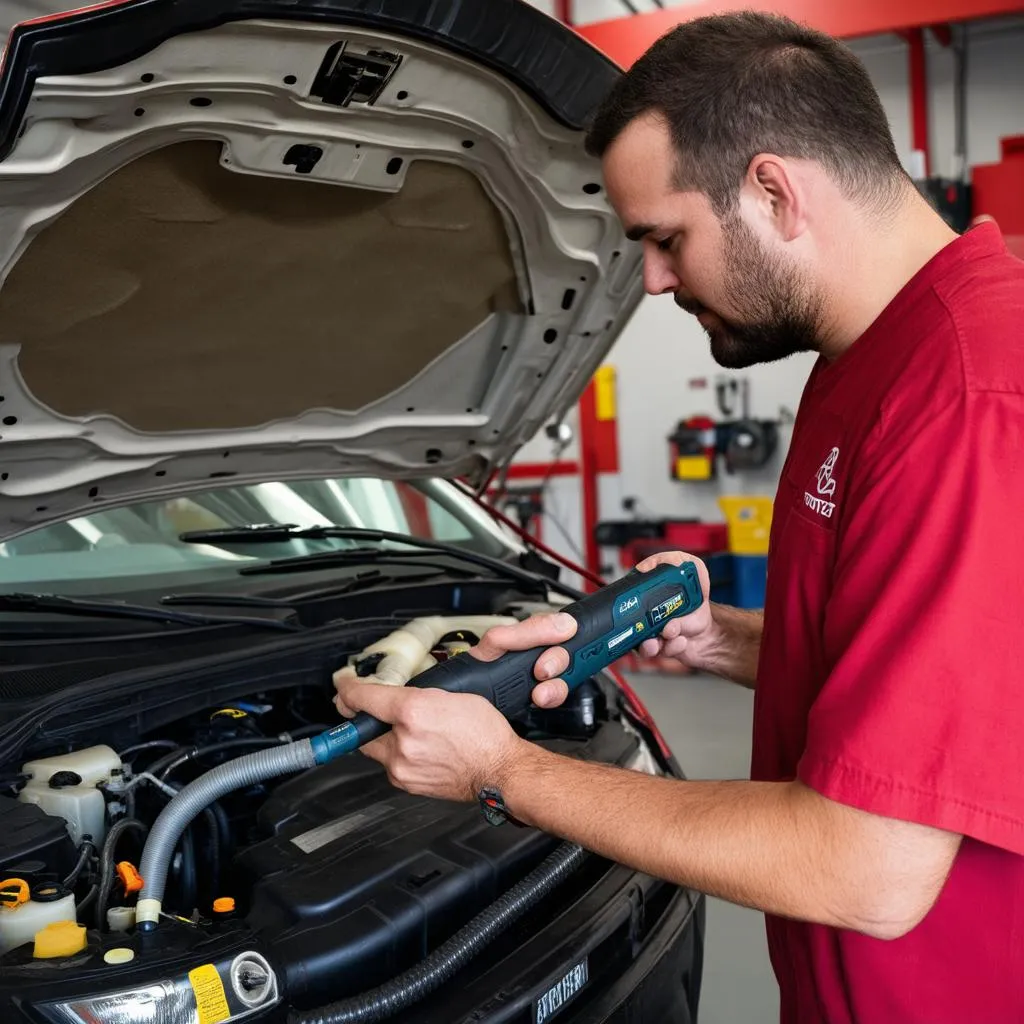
494,809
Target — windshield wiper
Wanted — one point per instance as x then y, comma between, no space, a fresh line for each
103,608
370,578
275,534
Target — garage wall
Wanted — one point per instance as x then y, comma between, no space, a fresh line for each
662,349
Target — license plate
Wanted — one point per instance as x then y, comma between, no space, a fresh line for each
561,993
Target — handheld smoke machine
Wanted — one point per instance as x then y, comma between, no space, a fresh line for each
610,623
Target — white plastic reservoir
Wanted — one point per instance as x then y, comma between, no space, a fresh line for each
20,922
65,786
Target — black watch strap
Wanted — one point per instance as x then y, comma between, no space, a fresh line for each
492,804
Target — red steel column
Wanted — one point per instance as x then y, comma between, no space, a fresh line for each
919,94
599,453
588,479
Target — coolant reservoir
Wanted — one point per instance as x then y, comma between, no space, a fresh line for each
65,786
25,915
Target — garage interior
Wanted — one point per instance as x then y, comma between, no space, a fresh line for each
290,467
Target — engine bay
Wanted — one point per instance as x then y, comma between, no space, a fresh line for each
341,879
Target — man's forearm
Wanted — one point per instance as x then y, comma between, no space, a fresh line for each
733,649
777,847
735,840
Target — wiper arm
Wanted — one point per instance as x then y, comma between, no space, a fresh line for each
358,556
372,577
101,608
275,534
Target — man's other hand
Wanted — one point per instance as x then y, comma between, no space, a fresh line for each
553,630
443,745
687,637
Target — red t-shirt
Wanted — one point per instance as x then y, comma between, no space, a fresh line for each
892,665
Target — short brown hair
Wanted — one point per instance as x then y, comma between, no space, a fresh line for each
734,85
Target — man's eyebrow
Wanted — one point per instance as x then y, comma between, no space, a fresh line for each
638,232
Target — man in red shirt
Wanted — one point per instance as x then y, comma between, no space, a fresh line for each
882,831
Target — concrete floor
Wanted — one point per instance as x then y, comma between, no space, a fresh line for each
707,724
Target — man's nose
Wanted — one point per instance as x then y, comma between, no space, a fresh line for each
659,278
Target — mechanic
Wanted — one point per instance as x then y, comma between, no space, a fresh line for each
882,830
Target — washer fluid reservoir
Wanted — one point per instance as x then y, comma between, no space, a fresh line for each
65,786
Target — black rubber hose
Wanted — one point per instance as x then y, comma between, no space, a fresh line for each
216,847
418,982
106,882
88,850
218,829
167,765
224,828
187,895
88,900
162,762
193,753
189,878
139,748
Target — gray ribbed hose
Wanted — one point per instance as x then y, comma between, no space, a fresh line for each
183,808
380,1003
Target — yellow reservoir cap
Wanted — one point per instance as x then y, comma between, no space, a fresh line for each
62,938
224,905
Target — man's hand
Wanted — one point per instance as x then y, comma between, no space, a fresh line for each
715,638
443,745
553,630
537,631
689,638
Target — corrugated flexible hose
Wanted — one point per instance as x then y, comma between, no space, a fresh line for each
390,998
183,808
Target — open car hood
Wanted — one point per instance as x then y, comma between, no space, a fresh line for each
272,239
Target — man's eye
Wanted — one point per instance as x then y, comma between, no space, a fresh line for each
664,244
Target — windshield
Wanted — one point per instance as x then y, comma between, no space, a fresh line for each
118,549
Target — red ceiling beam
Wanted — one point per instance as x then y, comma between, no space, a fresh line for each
625,39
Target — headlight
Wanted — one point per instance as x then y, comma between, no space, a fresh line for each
210,994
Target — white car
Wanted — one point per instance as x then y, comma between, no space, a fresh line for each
284,283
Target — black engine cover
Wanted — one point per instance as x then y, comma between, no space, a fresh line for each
359,881
34,845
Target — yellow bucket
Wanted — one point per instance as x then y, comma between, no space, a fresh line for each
750,522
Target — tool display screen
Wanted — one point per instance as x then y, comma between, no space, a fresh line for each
665,609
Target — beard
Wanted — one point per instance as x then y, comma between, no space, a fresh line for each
781,313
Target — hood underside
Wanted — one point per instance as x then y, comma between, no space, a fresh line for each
271,249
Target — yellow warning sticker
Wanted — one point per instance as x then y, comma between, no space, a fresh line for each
211,1001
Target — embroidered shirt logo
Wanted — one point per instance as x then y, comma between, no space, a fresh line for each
826,487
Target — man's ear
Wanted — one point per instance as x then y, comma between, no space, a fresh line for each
777,194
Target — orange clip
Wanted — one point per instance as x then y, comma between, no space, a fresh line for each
14,891
130,878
